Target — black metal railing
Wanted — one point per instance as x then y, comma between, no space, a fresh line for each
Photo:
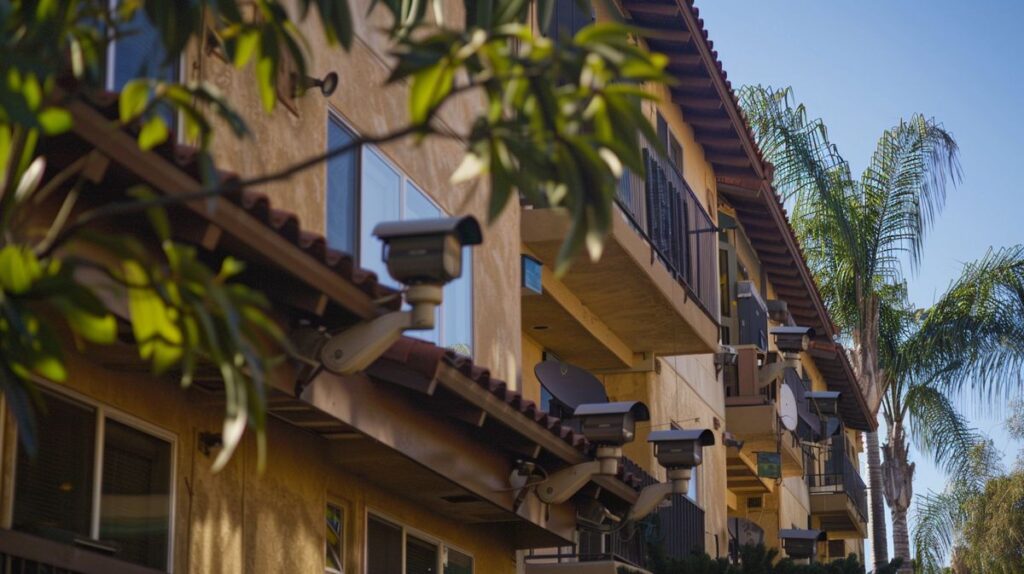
663,208
678,529
843,479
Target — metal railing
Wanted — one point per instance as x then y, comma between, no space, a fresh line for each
678,529
847,480
666,212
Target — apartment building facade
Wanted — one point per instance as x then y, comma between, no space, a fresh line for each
409,466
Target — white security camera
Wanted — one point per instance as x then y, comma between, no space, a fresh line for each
800,543
792,339
427,251
424,255
609,426
726,355
679,451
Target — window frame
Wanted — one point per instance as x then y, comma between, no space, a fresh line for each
345,509
442,546
102,413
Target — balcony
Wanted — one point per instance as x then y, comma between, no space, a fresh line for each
759,428
655,289
839,499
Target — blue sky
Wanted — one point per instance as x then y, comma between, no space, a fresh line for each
861,66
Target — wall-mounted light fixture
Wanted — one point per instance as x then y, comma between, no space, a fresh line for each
327,85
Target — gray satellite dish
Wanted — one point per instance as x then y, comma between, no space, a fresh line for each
570,386
787,407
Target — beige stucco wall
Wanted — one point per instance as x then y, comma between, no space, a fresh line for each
240,520
371,107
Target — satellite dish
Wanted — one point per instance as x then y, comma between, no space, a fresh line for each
787,408
569,385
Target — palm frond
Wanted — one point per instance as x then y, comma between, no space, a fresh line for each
817,185
973,337
903,189
937,518
939,429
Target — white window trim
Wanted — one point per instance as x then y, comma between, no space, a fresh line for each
407,530
104,412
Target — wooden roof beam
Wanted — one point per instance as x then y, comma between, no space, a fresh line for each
652,8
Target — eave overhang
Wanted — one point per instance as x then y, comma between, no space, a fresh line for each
744,179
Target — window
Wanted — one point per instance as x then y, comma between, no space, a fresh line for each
334,540
392,549
837,549
568,18
672,145
97,482
364,189
693,489
342,189
138,51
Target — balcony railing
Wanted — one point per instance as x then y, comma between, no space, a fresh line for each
846,481
663,208
678,529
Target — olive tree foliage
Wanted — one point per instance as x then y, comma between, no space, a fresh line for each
559,124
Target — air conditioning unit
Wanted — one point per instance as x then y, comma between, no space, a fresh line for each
753,315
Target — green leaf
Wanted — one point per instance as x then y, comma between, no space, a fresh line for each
134,99
153,133
245,47
429,88
158,336
54,120
19,269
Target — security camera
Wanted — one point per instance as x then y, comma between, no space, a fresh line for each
609,426
612,424
792,339
427,251
800,543
423,254
726,355
679,451
826,402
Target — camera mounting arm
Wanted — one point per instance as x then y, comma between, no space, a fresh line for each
354,349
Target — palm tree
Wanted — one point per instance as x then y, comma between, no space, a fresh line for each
971,339
857,233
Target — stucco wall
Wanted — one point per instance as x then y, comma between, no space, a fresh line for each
240,520
372,107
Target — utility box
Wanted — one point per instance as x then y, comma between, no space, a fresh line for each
753,315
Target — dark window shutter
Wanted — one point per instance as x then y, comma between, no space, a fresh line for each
383,547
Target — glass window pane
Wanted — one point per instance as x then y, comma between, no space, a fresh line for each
53,492
380,202
342,187
458,563
420,556
139,51
136,503
693,490
457,309
417,205
334,540
383,547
